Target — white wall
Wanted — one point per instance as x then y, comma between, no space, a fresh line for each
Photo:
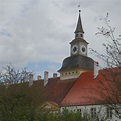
101,111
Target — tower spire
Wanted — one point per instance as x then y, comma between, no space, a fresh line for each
79,27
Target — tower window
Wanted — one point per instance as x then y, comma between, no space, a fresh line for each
81,35
76,35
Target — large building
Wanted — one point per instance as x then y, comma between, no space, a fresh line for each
79,83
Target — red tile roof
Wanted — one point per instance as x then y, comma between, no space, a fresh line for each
79,91
54,91
87,90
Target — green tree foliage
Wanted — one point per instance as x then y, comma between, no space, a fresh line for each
15,101
60,116
15,104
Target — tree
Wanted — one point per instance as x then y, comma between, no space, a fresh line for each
15,98
112,45
65,115
110,81
10,75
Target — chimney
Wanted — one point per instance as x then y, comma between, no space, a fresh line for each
95,69
45,77
31,79
54,75
38,77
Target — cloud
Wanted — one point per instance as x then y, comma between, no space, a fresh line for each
5,33
35,31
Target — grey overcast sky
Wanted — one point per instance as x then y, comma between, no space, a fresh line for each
36,33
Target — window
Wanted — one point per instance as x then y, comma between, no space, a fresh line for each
119,111
79,111
109,112
93,112
85,115
76,35
81,35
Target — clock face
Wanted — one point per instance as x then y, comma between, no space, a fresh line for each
83,49
74,49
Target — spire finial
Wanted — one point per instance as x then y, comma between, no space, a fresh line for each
79,24
79,7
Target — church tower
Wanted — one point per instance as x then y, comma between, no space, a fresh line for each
78,61
79,45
